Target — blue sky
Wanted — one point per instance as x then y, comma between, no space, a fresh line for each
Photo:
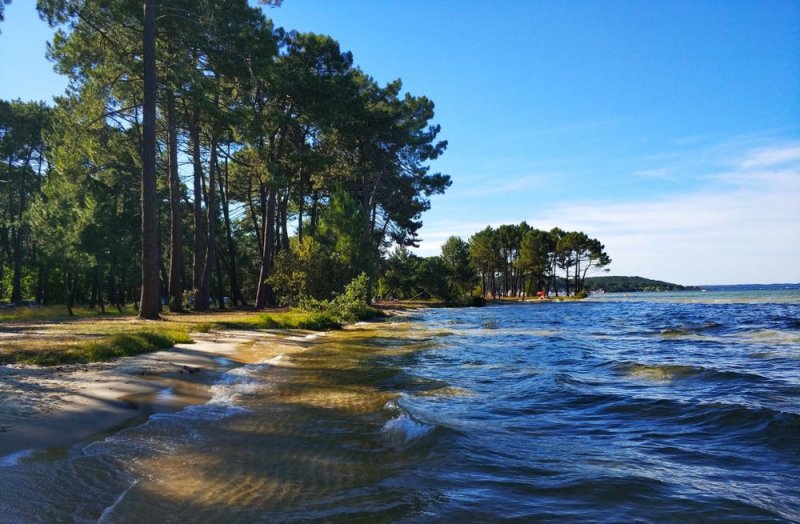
670,131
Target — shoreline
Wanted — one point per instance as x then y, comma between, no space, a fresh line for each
48,411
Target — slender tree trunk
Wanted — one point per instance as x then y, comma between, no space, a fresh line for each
150,302
301,200
40,284
98,284
198,248
312,223
18,234
16,279
93,296
113,297
220,283
260,211
70,293
176,216
285,222
236,292
254,212
211,224
264,295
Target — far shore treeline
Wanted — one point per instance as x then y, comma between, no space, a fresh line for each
230,162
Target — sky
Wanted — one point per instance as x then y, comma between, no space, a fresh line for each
669,131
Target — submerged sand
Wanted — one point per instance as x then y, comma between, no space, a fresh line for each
51,409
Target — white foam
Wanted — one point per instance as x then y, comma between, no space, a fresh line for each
304,338
233,386
165,395
107,512
405,429
15,458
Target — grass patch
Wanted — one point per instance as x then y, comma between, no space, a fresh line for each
71,348
291,319
47,336
59,313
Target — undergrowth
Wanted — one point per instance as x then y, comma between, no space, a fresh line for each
106,347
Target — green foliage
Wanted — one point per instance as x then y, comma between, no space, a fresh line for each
311,320
465,301
632,284
455,259
350,306
517,260
312,139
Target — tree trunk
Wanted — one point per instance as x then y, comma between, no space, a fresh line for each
39,295
211,225
312,223
301,200
176,217
16,279
198,248
113,295
98,284
220,286
150,300
264,295
236,292
70,288
285,222
254,213
93,296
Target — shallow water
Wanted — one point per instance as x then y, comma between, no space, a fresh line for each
654,408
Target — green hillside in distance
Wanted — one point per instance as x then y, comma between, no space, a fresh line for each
632,284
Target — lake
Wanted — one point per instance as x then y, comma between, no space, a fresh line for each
663,407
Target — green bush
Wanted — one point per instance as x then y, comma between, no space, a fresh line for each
350,306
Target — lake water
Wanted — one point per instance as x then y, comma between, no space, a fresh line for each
668,407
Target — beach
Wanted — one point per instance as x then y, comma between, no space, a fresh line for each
52,409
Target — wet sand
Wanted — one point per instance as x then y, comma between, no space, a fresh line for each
52,409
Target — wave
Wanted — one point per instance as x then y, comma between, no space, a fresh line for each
671,372
752,424
732,423
13,459
403,429
227,394
690,329
306,338
772,337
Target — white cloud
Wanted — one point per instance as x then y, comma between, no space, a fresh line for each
744,227
771,157
662,173
502,186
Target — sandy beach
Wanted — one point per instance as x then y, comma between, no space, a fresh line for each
52,409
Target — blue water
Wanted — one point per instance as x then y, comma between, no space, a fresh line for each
668,407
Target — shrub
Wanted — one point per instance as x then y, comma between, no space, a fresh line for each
350,306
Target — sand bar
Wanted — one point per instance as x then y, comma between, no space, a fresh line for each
49,410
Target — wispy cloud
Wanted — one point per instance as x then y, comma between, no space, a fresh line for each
745,228
661,173
506,185
743,225
771,157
